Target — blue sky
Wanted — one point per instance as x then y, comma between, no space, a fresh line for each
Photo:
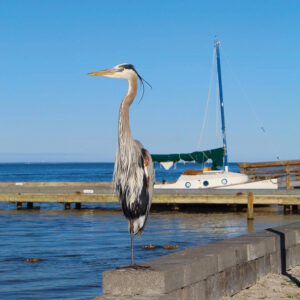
51,111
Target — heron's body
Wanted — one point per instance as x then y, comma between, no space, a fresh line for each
133,172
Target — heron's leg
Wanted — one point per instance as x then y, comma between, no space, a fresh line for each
133,265
132,256
131,236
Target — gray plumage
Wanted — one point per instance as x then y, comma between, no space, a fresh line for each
134,172
133,179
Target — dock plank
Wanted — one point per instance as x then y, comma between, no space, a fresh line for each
102,192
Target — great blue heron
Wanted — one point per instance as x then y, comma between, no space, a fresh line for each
133,172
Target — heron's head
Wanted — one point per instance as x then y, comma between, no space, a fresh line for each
124,71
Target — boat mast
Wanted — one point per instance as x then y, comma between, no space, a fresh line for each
217,44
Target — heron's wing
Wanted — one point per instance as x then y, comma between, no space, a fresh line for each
146,164
146,186
134,184
146,158
149,174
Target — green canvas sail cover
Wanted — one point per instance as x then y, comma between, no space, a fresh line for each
216,155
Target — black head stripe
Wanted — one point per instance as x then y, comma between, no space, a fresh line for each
142,80
128,66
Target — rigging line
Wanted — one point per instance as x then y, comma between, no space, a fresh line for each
208,99
258,119
217,113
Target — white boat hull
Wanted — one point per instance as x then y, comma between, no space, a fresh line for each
218,180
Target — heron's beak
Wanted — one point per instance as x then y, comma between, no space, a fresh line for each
103,72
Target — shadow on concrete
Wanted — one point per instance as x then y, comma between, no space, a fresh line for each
283,256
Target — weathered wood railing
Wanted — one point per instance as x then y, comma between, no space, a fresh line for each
287,172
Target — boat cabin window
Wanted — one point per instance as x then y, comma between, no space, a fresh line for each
205,183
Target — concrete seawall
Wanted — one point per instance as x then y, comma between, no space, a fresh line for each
210,271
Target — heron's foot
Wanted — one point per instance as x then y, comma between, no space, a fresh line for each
134,267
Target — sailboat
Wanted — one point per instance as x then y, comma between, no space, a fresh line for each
210,177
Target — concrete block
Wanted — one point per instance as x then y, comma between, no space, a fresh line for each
296,228
267,264
195,291
166,274
289,234
232,281
153,281
222,254
297,236
239,250
215,286
275,262
263,266
273,239
248,274
260,246
198,263
209,271
200,268
294,225
226,257
139,297
297,254
291,257
175,295
256,246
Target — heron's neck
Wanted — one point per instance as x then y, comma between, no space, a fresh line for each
124,126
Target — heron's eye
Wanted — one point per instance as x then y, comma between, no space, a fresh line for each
121,69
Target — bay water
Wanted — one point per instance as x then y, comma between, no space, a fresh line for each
74,247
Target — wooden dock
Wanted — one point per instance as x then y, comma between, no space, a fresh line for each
286,171
102,192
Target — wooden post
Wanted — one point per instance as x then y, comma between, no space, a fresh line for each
19,205
287,209
29,205
175,207
67,205
250,206
77,205
250,225
288,183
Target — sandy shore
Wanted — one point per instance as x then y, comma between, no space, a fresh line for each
273,287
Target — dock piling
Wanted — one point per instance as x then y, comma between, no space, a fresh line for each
29,205
250,225
67,205
288,179
250,206
287,209
19,205
78,205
